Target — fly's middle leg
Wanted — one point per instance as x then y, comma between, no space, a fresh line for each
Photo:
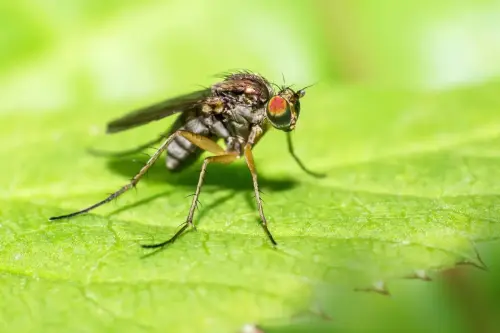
221,157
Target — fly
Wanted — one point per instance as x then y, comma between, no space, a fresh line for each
238,110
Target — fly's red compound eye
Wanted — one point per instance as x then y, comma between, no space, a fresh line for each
279,113
277,106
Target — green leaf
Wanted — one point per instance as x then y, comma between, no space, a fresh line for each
409,190
411,176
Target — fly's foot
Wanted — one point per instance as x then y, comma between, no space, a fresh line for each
170,241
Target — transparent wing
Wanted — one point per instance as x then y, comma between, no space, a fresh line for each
158,111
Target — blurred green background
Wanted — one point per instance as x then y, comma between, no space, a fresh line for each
62,54
68,57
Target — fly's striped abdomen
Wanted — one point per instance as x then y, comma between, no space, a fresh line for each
181,153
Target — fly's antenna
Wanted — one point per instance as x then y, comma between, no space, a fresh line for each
309,86
301,92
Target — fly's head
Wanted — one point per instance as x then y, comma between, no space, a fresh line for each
282,109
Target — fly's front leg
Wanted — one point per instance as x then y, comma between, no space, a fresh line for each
251,166
256,131
299,162
224,158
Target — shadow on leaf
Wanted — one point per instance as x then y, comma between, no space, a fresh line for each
234,177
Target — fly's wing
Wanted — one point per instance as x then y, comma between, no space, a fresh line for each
158,111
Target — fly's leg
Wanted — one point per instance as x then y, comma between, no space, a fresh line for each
200,141
253,171
223,158
122,153
299,162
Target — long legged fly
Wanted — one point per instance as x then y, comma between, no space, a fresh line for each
238,110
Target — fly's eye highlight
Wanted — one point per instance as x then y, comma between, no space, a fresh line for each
279,113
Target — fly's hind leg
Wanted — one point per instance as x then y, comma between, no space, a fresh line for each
221,157
200,141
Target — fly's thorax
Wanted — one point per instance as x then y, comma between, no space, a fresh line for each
244,114
239,119
245,87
